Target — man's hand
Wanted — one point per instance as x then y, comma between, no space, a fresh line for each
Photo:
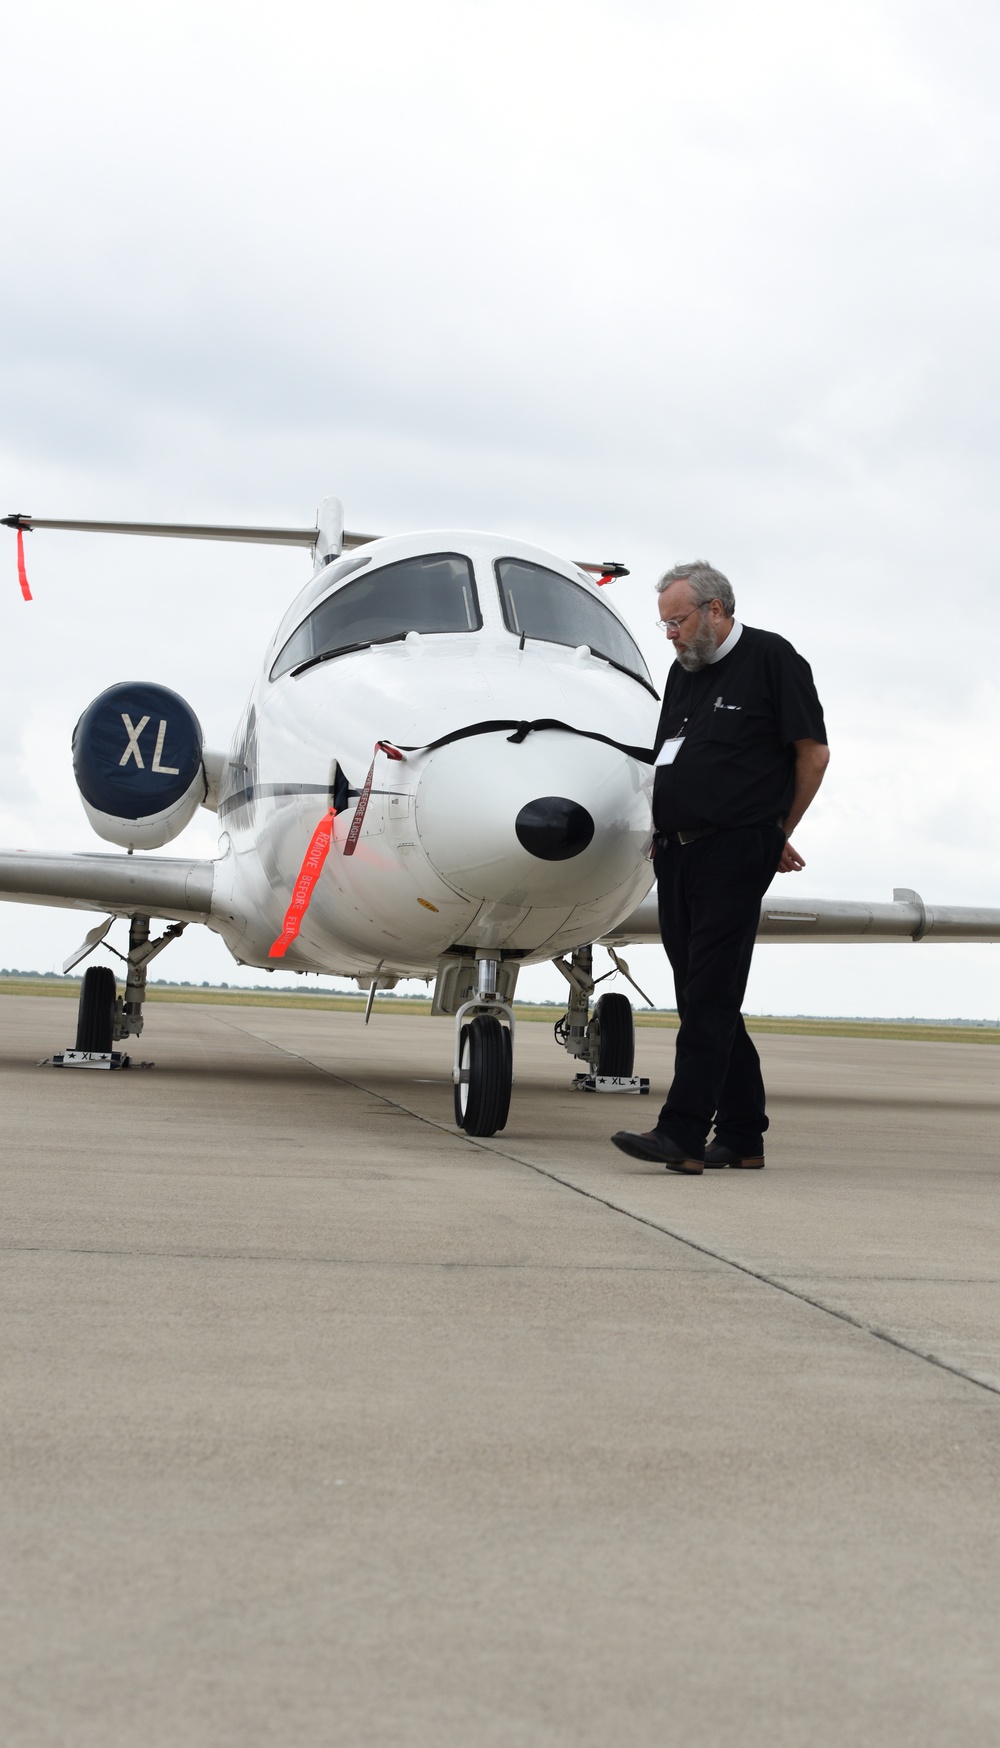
789,862
811,760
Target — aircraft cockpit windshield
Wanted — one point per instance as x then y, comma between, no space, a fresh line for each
541,603
433,592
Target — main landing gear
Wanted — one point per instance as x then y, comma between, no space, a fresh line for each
104,1017
605,1039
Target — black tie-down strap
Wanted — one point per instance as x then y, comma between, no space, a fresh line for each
644,755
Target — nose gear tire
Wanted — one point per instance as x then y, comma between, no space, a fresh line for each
482,1101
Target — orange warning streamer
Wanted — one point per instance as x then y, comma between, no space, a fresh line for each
22,575
309,873
319,849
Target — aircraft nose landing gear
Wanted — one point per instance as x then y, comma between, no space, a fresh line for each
484,1056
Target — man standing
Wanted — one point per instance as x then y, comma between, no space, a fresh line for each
740,752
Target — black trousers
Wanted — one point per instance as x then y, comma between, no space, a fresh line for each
709,896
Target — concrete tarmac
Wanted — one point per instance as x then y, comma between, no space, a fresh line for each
325,1425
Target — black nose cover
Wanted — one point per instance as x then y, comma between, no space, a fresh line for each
553,828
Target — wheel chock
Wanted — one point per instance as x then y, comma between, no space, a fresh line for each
611,1083
92,1059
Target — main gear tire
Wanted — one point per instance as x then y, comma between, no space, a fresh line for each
482,1096
613,1033
96,1014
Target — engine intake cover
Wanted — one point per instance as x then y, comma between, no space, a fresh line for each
137,758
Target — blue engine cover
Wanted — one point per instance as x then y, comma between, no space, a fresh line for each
136,750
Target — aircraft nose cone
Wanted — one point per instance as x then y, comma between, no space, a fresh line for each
553,828
488,825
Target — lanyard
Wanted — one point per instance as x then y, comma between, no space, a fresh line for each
690,717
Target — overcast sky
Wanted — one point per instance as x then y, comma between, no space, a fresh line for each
635,281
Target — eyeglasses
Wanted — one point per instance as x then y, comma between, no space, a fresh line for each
675,624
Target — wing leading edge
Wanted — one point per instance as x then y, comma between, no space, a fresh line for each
830,920
160,886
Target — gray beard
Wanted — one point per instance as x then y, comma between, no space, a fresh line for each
700,650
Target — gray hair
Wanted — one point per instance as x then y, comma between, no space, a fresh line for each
706,584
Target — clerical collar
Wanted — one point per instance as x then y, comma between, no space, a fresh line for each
730,643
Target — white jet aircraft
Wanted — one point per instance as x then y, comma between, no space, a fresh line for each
442,772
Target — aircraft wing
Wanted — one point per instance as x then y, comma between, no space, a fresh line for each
907,918
120,885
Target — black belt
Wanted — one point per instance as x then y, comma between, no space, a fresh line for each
693,834
687,837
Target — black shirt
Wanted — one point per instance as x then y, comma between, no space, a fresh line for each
739,718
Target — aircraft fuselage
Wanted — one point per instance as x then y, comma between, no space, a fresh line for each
441,860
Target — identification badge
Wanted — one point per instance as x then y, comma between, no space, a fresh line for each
669,750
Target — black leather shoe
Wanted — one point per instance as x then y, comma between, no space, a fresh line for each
719,1155
659,1149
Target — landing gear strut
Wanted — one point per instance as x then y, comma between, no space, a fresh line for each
484,1071
141,950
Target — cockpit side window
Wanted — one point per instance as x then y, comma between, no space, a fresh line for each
325,579
541,603
433,592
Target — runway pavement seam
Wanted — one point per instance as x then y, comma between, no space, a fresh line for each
346,1262
773,1281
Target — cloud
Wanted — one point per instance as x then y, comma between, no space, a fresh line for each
634,281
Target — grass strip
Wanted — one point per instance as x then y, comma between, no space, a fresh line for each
903,1031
